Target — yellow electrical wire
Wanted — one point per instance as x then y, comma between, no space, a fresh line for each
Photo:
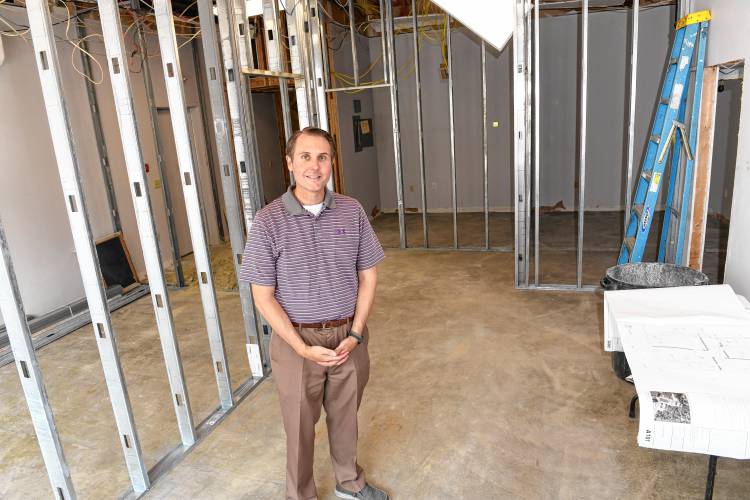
77,46
16,33
423,7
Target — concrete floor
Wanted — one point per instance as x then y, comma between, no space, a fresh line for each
477,390
557,239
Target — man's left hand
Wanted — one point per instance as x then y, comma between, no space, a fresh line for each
346,346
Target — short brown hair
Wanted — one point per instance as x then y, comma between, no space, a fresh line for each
319,132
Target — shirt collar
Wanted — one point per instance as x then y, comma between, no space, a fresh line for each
294,207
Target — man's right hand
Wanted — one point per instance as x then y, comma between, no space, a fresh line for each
323,356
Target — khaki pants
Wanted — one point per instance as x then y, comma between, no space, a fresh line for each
303,387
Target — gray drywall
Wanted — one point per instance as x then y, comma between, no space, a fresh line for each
725,147
436,130
31,201
729,40
607,101
359,169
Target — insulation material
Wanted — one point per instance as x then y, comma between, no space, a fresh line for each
221,265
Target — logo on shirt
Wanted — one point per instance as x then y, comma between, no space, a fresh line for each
339,232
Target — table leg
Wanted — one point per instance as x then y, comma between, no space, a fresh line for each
710,478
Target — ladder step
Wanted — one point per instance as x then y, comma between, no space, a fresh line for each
663,101
655,138
630,243
672,60
646,175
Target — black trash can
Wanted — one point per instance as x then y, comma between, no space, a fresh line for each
647,275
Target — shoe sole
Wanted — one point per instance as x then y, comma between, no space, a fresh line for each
341,494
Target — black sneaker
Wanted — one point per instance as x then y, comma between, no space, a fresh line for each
369,492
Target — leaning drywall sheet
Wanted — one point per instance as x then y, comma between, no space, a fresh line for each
690,369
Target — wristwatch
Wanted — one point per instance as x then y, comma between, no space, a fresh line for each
355,335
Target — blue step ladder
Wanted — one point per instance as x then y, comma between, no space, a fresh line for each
669,131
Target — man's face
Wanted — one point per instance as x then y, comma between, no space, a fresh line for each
311,164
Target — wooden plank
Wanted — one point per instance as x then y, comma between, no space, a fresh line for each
282,137
702,177
333,111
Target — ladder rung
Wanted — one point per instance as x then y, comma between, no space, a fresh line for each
655,138
630,243
646,175
672,60
664,101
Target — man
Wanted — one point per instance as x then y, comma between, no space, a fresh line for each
311,257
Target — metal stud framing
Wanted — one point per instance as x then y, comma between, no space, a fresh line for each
243,30
353,42
318,54
391,63
67,164
101,145
537,159
207,140
160,165
276,60
521,104
485,158
582,138
19,335
631,111
245,148
527,113
384,42
302,19
452,125
214,76
300,84
178,114
420,131
239,99
121,89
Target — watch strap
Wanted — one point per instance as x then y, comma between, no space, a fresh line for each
357,336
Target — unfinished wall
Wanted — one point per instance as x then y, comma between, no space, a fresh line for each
608,76
267,134
724,159
31,201
155,181
359,168
729,40
436,130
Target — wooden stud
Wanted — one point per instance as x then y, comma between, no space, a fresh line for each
333,112
702,176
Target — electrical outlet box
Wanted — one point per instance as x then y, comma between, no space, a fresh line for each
362,133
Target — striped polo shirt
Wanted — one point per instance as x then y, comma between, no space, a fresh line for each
311,260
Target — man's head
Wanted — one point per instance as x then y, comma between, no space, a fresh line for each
309,156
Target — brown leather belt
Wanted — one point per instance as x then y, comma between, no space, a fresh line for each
324,324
